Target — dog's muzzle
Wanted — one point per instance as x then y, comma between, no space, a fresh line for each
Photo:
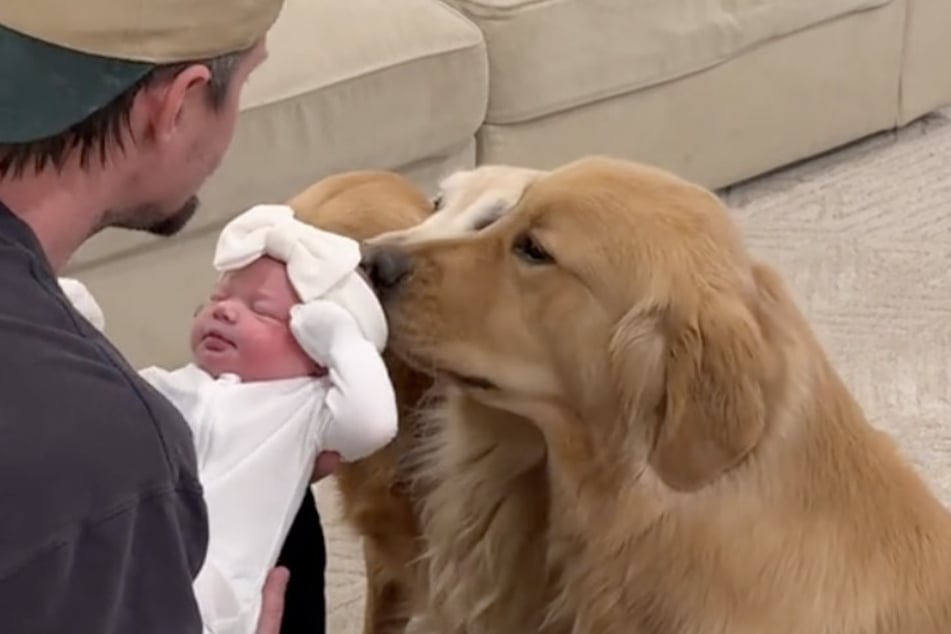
385,267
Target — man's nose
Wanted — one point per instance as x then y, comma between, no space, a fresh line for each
386,267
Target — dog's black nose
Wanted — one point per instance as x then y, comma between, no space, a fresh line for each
386,267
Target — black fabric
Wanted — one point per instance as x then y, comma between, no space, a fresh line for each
103,523
304,554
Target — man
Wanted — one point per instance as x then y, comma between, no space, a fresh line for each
112,114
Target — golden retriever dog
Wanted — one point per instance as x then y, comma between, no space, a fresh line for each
642,435
376,494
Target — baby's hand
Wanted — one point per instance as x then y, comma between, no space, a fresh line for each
83,301
317,324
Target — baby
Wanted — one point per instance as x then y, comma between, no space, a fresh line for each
285,363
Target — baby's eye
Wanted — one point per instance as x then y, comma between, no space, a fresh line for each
265,310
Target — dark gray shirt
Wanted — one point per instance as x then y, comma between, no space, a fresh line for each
102,522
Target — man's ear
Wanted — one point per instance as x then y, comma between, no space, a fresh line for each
167,98
714,408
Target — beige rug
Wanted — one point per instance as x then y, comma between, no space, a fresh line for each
863,235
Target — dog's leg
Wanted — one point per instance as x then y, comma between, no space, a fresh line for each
389,599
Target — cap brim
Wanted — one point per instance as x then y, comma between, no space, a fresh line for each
46,89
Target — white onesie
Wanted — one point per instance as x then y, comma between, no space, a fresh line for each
256,445
256,442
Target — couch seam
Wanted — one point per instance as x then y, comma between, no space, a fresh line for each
902,64
499,13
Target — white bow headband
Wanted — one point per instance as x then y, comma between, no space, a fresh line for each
320,264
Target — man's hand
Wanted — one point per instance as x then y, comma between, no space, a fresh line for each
272,601
326,464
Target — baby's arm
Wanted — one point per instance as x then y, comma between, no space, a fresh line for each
83,301
361,399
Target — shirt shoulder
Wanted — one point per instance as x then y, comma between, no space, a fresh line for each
76,422
107,526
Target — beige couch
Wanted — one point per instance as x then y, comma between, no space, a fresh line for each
718,91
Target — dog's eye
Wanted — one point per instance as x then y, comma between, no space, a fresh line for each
526,248
437,202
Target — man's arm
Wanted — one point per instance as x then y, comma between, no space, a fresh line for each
129,570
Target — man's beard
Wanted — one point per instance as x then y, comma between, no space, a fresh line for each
150,219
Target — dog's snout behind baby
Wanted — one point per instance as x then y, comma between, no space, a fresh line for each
385,267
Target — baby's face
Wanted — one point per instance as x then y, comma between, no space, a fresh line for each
243,328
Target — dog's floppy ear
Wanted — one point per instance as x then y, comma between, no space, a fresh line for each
714,408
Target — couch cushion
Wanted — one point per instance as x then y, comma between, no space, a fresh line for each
783,101
546,56
348,84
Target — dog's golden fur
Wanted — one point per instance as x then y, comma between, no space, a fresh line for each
382,494
467,201
693,464
474,553
376,492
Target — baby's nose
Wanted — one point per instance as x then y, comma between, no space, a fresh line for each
225,311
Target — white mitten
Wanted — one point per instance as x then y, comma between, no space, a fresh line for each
318,324
83,301
360,396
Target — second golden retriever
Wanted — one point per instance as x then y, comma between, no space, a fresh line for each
376,492
693,465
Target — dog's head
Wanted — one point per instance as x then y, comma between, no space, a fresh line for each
467,201
618,289
362,204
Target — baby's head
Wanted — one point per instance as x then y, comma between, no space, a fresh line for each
244,329
270,261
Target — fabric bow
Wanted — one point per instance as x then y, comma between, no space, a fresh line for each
320,264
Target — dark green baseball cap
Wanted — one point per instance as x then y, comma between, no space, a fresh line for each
62,60
45,88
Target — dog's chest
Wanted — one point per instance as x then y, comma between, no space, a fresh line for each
486,522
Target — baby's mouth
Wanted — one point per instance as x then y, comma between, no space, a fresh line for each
216,341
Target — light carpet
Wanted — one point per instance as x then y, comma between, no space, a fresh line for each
863,236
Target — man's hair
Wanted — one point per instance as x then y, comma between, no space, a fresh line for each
97,131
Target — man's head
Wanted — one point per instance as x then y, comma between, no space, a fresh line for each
244,329
138,96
